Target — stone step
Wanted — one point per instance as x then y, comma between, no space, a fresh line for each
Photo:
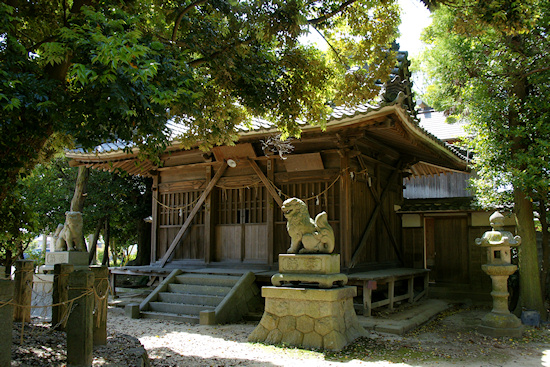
210,290
210,279
193,299
191,319
178,308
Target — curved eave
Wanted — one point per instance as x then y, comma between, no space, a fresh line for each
436,157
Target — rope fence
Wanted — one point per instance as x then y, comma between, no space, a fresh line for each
100,300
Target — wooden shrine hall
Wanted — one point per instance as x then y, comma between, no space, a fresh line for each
221,209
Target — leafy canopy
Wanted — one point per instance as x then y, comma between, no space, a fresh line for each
98,71
498,78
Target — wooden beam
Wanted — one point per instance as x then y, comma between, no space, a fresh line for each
189,165
266,183
208,221
154,214
192,214
372,220
270,218
296,177
346,237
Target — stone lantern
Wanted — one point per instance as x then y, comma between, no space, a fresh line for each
499,322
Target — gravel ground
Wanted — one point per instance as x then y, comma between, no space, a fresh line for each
448,340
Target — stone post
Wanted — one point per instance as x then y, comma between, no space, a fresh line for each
80,323
6,321
60,295
24,271
101,288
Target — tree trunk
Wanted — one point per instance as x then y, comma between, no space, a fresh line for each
143,256
93,245
77,204
545,248
529,275
106,238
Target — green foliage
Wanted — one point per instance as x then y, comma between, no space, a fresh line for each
498,80
117,71
49,188
18,225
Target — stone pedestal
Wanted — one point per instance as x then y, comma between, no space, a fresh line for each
79,259
303,315
310,318
320,269
500,321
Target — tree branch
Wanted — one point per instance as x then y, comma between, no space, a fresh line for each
536,71
202,60
186,10
332,47
341,8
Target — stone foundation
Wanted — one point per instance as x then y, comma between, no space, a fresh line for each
77,258
309,318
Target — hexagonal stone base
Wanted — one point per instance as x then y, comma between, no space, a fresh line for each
308,318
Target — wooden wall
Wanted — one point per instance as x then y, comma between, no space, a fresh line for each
241,223
451,238
379,248
448,185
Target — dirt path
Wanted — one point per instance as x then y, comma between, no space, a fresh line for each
449,340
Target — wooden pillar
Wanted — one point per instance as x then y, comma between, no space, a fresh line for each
101,289
270,217
24,271
345,210
154,225
80,322
6,321
60,294
209,217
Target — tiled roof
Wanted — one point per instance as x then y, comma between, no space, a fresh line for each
435,123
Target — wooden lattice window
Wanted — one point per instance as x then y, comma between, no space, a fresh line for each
243,205
319,196
175,207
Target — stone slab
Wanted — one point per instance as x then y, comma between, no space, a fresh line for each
401,322
309,263
77,258
309,294
501,332
324,281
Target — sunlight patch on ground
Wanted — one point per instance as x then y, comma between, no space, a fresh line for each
545,360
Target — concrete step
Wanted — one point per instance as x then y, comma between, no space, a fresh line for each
191,319
210,290
209,279
193,299
178,308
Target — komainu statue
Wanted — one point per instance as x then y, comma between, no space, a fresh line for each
307,236
69,236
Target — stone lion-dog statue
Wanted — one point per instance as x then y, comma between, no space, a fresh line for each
307,236
69,236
